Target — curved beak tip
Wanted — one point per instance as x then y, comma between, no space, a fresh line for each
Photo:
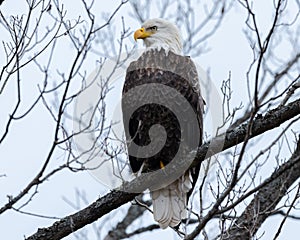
139,33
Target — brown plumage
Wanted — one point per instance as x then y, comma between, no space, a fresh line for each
153,68
162,114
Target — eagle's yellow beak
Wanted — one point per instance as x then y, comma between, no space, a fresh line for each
141,34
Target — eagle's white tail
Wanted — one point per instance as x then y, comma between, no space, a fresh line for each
170,203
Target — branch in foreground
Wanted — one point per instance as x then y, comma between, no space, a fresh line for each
134,212
117,198
264,203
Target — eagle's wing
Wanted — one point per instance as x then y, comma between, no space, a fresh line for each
144,83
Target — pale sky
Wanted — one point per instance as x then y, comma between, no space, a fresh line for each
23,153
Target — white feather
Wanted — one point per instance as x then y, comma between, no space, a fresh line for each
170,203
167,36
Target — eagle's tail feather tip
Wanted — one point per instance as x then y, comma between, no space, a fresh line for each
169,203
164,208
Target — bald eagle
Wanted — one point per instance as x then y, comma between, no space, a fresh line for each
152,96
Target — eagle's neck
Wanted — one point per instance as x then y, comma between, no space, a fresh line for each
173,45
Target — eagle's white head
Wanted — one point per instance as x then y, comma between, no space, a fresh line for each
160,33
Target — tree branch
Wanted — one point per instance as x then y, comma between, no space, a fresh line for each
117,198
134,212
263,204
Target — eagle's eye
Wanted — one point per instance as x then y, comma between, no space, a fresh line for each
153,28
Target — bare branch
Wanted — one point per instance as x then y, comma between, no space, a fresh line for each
116,198
262,205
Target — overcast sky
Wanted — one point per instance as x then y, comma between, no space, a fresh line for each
23,153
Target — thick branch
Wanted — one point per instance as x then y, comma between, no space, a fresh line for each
272,119
71,223
117,198
265,201
134,212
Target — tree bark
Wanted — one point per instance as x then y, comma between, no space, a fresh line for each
117,198
265,201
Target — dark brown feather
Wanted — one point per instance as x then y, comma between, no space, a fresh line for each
172,70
